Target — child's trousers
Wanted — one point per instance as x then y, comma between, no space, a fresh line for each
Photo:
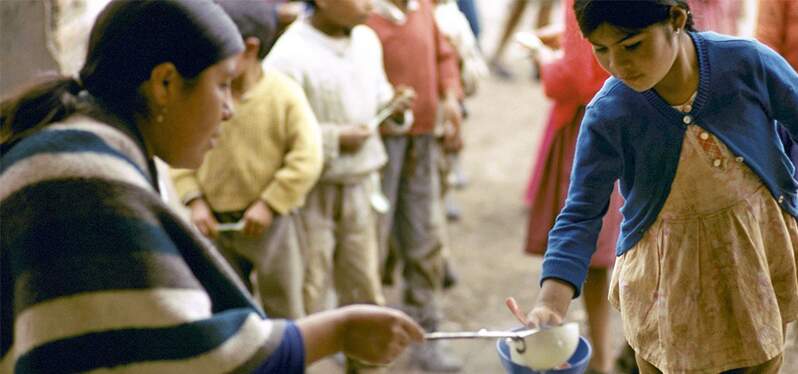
275,257
410,181
341,231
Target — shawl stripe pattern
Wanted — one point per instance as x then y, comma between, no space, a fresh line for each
98,275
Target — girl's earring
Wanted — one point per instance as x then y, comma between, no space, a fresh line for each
159,117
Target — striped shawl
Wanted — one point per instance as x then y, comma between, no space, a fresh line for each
98,275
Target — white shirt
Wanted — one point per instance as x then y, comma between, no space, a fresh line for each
345,83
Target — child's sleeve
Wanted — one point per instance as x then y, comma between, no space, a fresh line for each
597,165
781,87
303,161
186,184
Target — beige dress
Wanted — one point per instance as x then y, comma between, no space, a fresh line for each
713,281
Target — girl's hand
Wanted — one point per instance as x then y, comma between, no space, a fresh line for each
551,307
540,316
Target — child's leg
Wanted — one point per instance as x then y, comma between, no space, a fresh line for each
279,269
356,270
396,148
598,317
418,233
317,219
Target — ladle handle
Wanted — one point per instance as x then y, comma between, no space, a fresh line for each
471,335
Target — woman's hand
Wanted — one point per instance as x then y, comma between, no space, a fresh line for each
378,335
372,334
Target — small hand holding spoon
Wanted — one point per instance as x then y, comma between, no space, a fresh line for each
516,311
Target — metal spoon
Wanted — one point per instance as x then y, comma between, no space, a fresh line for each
481,334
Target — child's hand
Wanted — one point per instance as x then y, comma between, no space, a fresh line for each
351,138
540,315
202,217
257,218
403,99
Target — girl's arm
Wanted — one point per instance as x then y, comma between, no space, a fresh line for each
781,86
597,165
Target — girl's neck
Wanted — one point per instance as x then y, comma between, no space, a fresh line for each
682,80
327,27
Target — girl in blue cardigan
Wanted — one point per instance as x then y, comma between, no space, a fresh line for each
706,273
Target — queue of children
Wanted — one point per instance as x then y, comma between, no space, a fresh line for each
97,271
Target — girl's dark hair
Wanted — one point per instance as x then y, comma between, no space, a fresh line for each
128,39
628,15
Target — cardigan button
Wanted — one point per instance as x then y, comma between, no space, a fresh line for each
704,135
687,120
781,199
739,159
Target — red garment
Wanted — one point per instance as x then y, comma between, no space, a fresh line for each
417,55
777,27
720,16
549,188
571,82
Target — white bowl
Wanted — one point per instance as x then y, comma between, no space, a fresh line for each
547,349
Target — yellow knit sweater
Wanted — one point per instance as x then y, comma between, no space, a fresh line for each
269,150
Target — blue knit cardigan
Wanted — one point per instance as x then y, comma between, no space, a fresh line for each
744,88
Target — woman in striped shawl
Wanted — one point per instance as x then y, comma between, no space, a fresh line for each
96,272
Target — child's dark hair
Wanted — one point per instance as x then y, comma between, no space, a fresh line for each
628,15
254,18
128,40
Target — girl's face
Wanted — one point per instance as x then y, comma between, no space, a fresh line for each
192,118
640,59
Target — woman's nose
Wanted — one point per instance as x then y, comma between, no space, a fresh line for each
227,111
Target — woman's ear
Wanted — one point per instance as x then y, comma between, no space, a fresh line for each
163,83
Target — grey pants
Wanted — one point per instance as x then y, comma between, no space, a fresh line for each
270,265
410,230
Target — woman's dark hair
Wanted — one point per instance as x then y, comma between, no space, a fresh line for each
128,40
628,15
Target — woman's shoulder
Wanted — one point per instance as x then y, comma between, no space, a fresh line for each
76,148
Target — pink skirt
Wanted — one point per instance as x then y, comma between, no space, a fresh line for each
548,188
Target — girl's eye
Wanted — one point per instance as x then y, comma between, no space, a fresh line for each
632,46
599,49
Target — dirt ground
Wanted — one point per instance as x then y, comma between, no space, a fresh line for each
502,137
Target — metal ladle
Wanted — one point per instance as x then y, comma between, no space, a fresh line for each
517,336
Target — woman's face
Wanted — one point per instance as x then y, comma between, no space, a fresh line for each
640,59
191,123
